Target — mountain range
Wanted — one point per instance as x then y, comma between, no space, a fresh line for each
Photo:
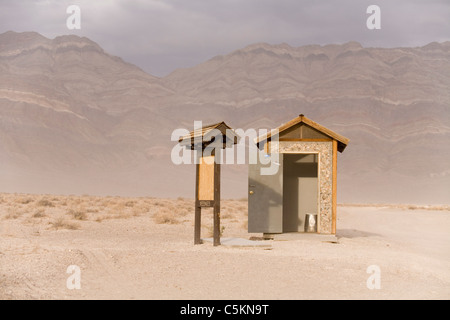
77,120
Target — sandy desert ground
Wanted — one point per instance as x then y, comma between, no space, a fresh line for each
142,248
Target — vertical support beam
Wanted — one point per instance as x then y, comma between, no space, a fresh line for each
198,209
334,193
216,202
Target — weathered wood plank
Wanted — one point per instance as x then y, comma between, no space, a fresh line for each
206,178
334,192
217,204
198,210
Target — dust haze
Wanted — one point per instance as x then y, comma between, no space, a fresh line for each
77,120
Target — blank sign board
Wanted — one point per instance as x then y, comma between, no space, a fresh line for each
206,178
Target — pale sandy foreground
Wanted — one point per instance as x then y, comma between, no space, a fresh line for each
142,248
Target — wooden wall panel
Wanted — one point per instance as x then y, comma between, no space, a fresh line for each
206,178
334,195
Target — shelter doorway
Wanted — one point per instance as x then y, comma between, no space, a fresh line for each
300,189
278,203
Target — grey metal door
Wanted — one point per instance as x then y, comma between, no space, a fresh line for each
265,198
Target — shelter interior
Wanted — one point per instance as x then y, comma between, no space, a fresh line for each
300,185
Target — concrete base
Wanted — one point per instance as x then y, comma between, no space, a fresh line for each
301,236
239,242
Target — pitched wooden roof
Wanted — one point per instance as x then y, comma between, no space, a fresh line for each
206,133
342,141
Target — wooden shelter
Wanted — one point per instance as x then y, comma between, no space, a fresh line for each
207,140
305,183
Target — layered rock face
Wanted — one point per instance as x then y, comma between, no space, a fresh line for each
74,119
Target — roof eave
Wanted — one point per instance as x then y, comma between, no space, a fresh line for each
342,141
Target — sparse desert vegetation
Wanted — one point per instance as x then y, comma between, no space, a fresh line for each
70,212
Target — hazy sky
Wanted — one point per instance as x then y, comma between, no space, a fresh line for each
162,35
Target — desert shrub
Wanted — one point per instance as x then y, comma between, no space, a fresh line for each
61,223
211,231
45,203
226,214
118,209
129,204
142,208
25,200
40,213
165,216
12,213
77,214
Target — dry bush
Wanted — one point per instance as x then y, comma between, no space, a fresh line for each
12,212
129,204
73,201
184,205
165,216
109,202
226,214
163,203
92,210
210,229
139,209
24,200
77,214
148,201
45,203
61,223
115,210
181,210
118,209
39,213
158,203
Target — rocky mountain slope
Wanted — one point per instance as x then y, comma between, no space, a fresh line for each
74,119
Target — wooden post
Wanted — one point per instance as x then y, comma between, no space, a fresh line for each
207,175
216,203
198,209
207,199
334,192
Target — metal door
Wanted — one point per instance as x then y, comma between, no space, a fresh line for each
265,198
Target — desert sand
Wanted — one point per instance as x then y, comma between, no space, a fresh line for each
142,248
